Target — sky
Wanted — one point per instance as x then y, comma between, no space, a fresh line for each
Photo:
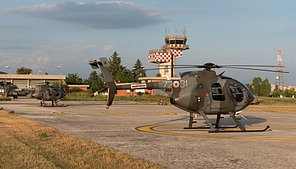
44,34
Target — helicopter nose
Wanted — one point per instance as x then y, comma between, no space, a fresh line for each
63,94
250,97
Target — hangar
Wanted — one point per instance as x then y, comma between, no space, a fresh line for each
31,80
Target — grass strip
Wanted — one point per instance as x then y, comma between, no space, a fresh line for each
28,144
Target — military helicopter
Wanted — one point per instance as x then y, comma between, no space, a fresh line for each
198,92
45,92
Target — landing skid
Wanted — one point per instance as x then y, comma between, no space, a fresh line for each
216,128
53,104
233,131
207,127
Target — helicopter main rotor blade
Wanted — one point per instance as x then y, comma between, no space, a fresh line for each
213,66
169,67
200,66
257,69
271,66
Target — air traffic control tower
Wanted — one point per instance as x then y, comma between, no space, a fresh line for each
166,56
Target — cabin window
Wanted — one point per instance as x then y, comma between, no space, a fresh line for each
48,92
217,92
56,92
236,92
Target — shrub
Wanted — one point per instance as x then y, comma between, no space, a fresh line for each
76,89
42,135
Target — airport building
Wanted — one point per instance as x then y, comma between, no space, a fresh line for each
31,80
166,56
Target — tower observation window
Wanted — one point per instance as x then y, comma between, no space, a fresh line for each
177,42
217,93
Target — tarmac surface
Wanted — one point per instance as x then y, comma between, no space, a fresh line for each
156,133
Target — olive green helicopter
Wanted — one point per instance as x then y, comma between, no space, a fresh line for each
46,92
200,92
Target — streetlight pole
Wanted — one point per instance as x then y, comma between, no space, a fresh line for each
5,84
60,81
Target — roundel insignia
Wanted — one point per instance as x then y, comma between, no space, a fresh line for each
176,84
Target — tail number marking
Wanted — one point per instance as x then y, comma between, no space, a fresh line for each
176,84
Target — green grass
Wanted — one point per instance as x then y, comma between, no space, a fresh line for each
42,135
82,96
29,144
277,101
5,99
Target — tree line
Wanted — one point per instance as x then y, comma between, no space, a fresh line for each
261,87
119,73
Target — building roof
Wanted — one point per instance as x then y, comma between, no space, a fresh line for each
32,76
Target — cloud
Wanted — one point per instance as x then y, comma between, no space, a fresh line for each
6,44
73,50
107,48
46,57
102,15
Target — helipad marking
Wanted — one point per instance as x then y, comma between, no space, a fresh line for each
201,134
114,113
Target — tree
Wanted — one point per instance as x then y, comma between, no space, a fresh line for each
115,65
118,71
261,88
265,88
73,78
139,69
251,87
23,70
93,78
96,83
290,92
257,81
277,92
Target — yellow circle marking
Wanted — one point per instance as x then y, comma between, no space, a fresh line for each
201,134
114,113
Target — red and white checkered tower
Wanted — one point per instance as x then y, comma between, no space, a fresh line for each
167,54
279,79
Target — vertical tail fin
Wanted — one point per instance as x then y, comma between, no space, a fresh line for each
104,65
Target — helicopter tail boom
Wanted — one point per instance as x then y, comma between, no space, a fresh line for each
103,64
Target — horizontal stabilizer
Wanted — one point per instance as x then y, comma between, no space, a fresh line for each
94,64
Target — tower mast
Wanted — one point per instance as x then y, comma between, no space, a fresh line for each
279,79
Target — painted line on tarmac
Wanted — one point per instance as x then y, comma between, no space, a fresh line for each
201,134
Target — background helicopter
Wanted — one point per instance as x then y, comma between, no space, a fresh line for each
198,92
45,92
